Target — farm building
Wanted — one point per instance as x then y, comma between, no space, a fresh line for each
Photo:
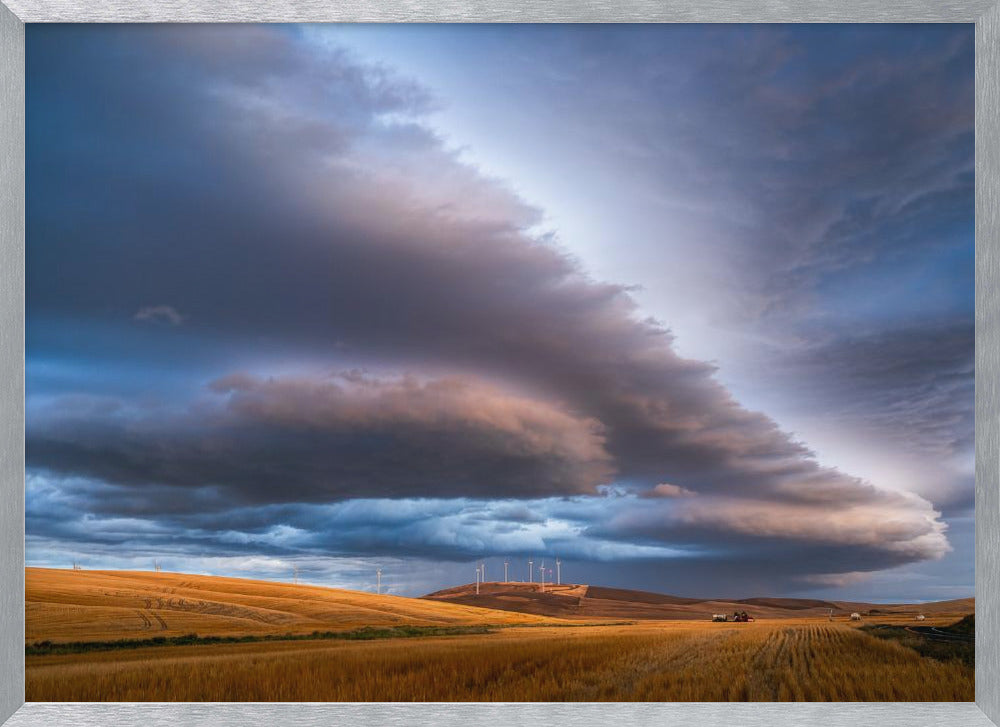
855,616
720,617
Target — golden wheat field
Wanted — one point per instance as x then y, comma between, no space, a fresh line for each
520,658
67,605
648,662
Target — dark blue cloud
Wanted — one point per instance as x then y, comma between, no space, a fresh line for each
204,202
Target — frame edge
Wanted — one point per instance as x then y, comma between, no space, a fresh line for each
12,361
479,11
987,424
12,206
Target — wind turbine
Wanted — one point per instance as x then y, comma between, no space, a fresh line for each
295,574
378,581
505,564
558,574
531,573
541,569
477,580
484,571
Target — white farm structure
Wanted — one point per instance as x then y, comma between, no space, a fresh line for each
855,616
720,617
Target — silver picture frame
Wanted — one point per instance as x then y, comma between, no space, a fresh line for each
985,14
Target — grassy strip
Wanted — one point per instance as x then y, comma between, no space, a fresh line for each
964,651
43,648
569,625
367,633
965,627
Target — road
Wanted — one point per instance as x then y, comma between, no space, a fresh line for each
936,634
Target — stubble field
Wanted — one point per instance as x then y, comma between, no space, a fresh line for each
644,662
96,636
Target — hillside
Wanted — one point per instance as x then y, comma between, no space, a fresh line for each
576,601
71,605
68,605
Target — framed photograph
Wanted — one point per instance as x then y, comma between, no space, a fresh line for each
532,364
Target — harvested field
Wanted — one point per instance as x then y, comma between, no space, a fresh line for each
646,662
96,636
68,605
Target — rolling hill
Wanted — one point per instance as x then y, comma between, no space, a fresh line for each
82,605
577,601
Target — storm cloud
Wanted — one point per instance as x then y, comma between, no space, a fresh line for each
358,315
320,440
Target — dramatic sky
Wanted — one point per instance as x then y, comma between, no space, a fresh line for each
689,307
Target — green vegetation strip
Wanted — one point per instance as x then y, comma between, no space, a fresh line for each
367,633
963,651
965,627
43,648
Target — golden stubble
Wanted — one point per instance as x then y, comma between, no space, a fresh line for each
667,661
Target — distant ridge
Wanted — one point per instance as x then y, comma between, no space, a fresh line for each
581,601
795,604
